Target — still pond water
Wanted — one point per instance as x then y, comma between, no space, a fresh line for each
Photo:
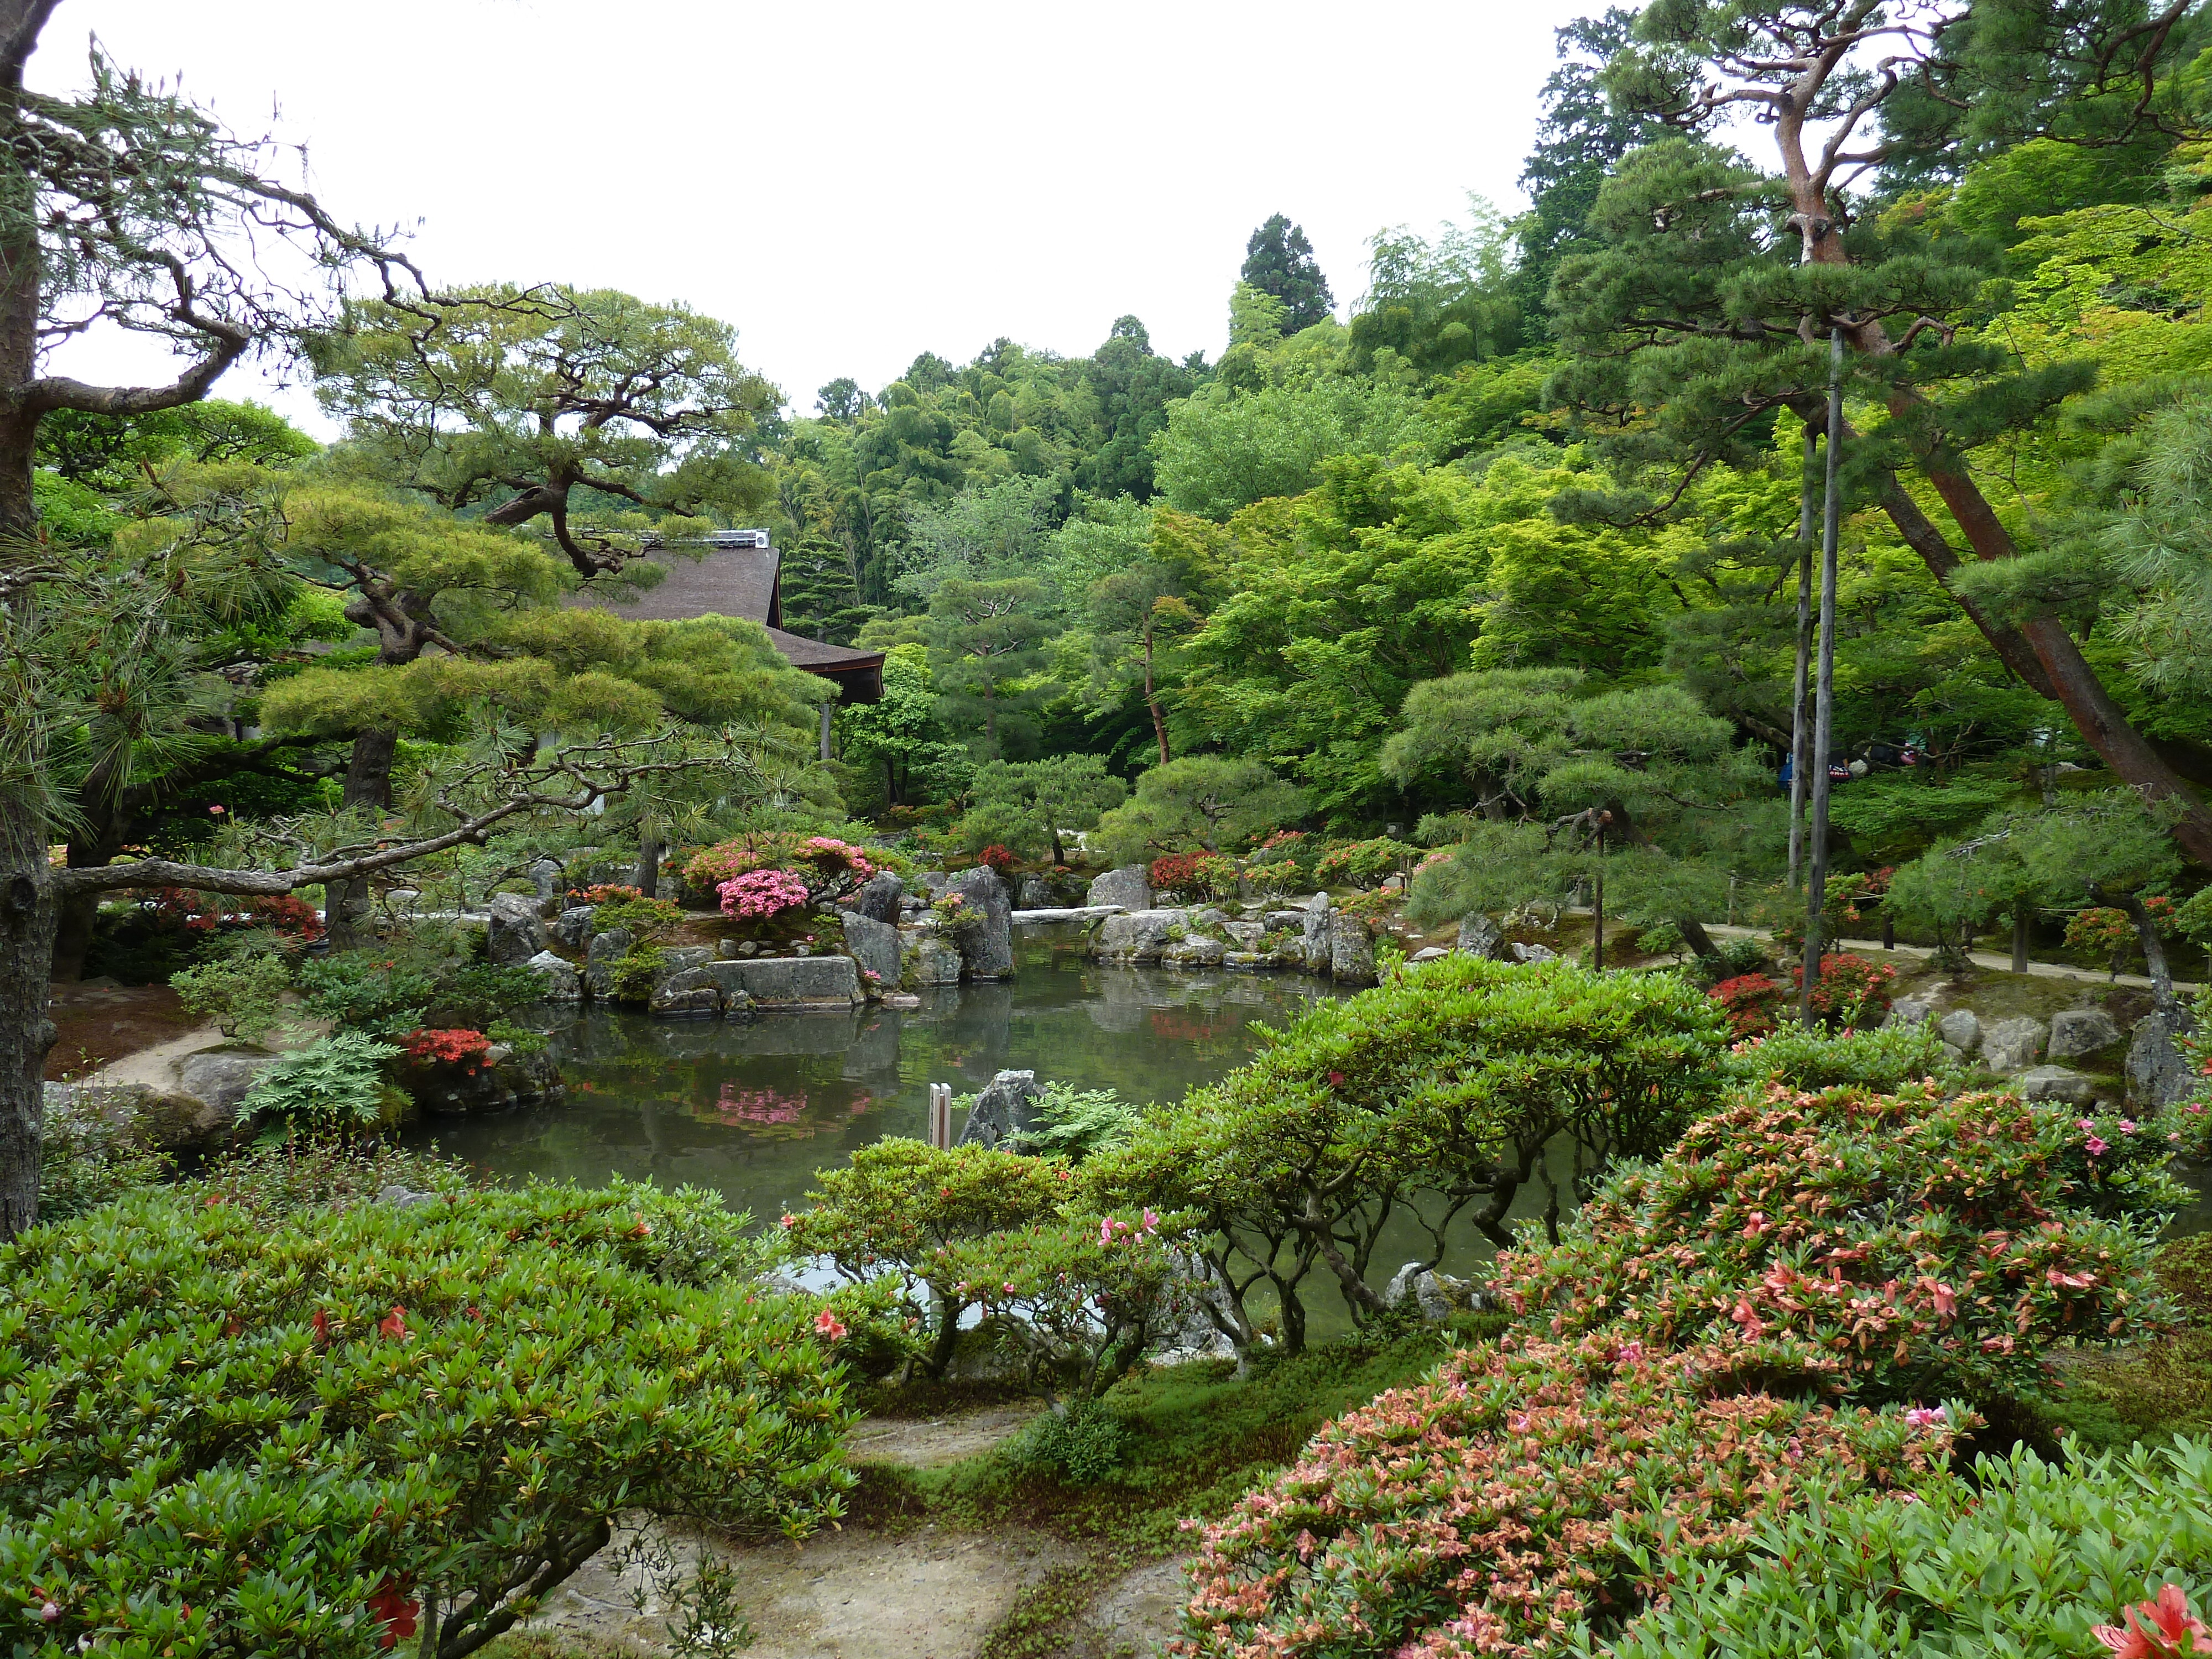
752,1109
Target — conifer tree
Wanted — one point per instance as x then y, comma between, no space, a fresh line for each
1279,261
1708,306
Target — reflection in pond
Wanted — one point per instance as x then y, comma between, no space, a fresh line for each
752,1109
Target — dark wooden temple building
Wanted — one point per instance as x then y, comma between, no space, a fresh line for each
740,574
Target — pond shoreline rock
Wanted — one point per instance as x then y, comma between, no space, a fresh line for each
1006,1108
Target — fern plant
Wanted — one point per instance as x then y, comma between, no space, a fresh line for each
336,1083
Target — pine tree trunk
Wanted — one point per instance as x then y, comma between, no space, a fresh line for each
1152,702
646,878
26,949
368,783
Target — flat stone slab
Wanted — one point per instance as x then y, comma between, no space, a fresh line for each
1074,913
798,982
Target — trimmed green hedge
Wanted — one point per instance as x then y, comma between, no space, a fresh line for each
225,1432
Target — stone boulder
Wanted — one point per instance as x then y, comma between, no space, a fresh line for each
2076,1033
1525,953
1006,1108
1248,961
134,1113
1429,953
558,980
573,927
1914,1011
219,1077
1314,934
2058,1084
1245,934
799,984
1418,1282
1135,936
606,949
2012,1045
989,950
511,1080
545,876
686,993
1351,950
1479,936
925,958
881,899
875,945
2157,1076
1130,887
1196,1334
516,932
1960,1029
1198,951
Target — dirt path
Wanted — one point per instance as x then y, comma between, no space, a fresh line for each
855,1594
1990,959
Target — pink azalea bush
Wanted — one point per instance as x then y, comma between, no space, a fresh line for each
830,868
1717,1335
762,893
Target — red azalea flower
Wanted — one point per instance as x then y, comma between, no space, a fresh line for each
2172,1629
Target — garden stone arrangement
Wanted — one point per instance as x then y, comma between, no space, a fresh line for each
2081,1057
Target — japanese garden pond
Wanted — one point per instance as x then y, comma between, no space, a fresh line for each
752,1109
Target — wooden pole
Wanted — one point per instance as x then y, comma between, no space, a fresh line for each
1597,908
1824,693
2022,920
1799,732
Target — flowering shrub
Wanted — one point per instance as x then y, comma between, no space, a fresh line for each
1364,863
1882,1060
1850,992
1753,1003
999,859
2102,928
1199,875
1525,1488
1657,1407
897,1211
606,893
1900,1246
227,1433
2022,1560
830,868
462,1047
762,893
956,917
186,910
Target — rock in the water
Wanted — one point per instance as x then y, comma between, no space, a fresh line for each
219,1077
1006,1108
989,950
1960,1029
875,946
799,983
2012,1045
1913,1011
1135,935
880,899
927,958
1351,950
450,1091
2157,1076
573,927
1130,887
516,932
1199,950
1036,894
1533,953
557,977
1246,934
1420,1283
1479,936
1248,960
691,992
2057,1083
2076,1032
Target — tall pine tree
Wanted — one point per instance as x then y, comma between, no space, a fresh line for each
1279,261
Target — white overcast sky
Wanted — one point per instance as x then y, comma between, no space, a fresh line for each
851,185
